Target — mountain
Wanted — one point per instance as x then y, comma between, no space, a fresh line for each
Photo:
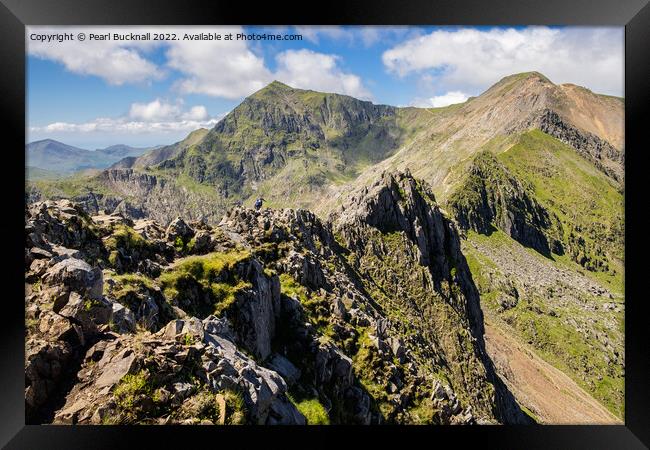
590,123
57,157
36,173
284,143
529,175
159,154
121,150
545,240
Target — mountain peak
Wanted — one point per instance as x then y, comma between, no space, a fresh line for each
534,75
272,90
46,141
520,79
274,87
278,84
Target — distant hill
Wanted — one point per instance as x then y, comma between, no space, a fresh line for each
160,153
36,173
57,158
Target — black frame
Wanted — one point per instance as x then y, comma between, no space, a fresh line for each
15,14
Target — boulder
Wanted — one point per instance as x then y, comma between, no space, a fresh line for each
149,229
202,242
123,319
78,276
115,365
180,328
179,229
88,313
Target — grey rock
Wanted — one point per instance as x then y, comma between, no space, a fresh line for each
89,313
179,229
182,390
115,366
78,276
178,329
123,319
202,242
285,368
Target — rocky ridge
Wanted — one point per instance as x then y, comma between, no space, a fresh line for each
256,320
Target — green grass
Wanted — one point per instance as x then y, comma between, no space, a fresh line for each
588,203
567,349
127,395
133,389
126,238
478,265
368,367
315,306
552,337
313,411
213,274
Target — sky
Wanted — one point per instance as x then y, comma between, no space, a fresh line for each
94,93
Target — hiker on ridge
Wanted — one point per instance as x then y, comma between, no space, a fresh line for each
258,203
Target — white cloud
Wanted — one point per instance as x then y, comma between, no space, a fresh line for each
157,116
231,70
196,113
104,124
438,101
226,69
116,63
366,35
306,69
220,68
153,111
471,60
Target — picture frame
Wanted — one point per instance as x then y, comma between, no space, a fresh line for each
634,15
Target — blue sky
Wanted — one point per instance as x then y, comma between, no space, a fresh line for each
98,93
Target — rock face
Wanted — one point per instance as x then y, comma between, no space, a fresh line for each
371,316
403,209
396,230
491,197
59,228
139,195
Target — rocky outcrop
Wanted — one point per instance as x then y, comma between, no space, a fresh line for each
397,231
251,321
492,197
58,228
117,375
66,311
398,203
